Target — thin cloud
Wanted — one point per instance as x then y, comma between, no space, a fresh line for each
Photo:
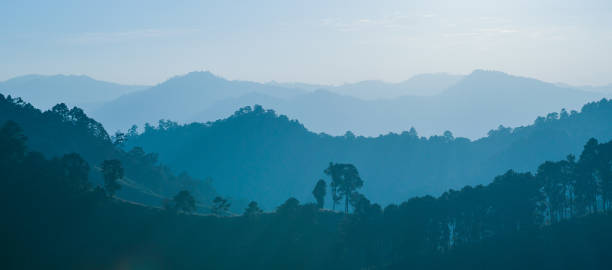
499,30
127,36
388,22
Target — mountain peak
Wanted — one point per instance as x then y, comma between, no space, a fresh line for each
496,78
488,73
194,78
201,75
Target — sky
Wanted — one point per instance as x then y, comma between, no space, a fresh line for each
316,41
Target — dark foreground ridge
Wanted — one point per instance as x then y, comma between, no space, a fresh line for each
61,131
53,218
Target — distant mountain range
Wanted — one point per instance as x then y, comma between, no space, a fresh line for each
432,103
469,107
419,85
607,89
45,91
180,98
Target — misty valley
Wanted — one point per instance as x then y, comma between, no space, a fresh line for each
258,190
306,135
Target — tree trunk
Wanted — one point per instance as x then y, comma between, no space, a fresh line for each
334,198
346,203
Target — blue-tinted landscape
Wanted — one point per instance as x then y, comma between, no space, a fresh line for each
316,135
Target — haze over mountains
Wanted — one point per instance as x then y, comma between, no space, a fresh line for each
77,90
179,99
607,89
260,155
418,85
468,106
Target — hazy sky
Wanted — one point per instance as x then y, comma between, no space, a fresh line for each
145,42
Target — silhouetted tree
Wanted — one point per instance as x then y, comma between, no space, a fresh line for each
290,206
119,138
319,192
183,201
553,179
13,142
586,182
604,167
334,192
360,203
133,131
345,180
252,210
112,171
75,172
220,206
332,171
515,200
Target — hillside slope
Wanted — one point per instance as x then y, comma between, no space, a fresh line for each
62,131
260,155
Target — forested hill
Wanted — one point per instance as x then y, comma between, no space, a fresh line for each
62,131
259,155
557,218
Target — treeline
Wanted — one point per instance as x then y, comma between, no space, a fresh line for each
513,203
55,219
40,200
257,154
62,130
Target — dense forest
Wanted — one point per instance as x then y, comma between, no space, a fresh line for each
256,154
557,218
74,198
61,130
306,135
